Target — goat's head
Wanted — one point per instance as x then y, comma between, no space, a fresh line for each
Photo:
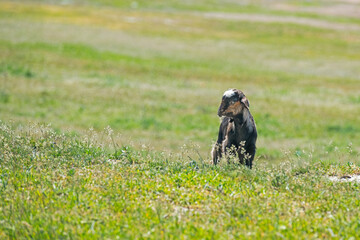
233,103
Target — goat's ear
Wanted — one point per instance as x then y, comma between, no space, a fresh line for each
245,102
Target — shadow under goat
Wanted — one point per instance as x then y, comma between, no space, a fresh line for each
237,133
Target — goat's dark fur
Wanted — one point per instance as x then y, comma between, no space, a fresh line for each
237,129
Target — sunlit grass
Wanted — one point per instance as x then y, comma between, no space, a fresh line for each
152,74
60,186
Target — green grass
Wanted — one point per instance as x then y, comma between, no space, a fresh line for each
154,72
56,186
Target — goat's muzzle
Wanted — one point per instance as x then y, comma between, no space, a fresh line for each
222,109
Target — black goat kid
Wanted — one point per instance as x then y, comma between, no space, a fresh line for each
237,133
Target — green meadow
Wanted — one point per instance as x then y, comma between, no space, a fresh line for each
108,115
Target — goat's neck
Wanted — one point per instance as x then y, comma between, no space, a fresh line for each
241,119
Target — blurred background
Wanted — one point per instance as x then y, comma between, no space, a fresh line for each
155,71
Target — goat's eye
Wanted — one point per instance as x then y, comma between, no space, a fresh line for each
232,102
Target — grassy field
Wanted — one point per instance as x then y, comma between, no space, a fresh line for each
131,90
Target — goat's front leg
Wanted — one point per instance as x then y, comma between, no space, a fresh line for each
246,156
228,148
241,158
251,150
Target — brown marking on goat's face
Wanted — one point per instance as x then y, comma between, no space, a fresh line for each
234,109
230,110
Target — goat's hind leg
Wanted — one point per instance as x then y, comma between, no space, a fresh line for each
216,153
